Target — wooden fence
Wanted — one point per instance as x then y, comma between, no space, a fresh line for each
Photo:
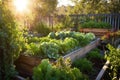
113,19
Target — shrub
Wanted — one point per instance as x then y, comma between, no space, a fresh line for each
83,64
64,23
114,57
94,54
94,24
60,71
11,42
42,28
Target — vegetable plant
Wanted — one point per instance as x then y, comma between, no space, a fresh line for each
95,55
83,64
94,24
11,42
61,70
57,43
114,57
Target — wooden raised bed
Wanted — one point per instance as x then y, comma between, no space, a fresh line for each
97,32
25,64
82,51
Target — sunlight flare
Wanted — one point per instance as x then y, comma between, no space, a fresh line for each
21,5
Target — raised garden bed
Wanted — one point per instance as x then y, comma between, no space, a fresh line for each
96,31
25,64
91,65
82,51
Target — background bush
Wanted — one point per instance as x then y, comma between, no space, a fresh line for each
42,28
94,24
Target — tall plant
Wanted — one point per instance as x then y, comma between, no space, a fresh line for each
114,58
11,40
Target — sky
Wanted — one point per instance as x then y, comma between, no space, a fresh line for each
64,2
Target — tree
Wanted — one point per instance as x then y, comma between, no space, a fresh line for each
42,9
11,41
96,6
114,6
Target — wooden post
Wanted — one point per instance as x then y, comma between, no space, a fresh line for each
103,70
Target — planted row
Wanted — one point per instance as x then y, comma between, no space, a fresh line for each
81,69
113,55
95,24
91,64
57,44
61,70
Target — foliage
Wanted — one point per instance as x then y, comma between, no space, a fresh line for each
33,49
50,49
40,10
33,39
64,23
89,6
60,71
11,42
83,64
94,24
94,55
114,6
114,58
90,36
69,44
43,8
44,48
82,38
42,28
56,44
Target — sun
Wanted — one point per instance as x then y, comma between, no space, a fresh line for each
20,5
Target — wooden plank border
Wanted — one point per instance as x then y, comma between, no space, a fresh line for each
104,68
25,64
82,51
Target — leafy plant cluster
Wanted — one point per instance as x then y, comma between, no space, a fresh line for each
11,42
41,28
61,70
114,57
80,37
94,24
94,55
84,65
113,38
63,22
56,44
87,65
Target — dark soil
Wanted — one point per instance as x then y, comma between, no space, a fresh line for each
97,66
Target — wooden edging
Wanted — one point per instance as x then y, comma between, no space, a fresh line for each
96,31
104,68
82,51
25,64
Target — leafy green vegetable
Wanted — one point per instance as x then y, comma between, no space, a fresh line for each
52,35
89,36
94,24
95,55
83,64
33,49
55,44
50,49
33,39
114,57
60,71
69,44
